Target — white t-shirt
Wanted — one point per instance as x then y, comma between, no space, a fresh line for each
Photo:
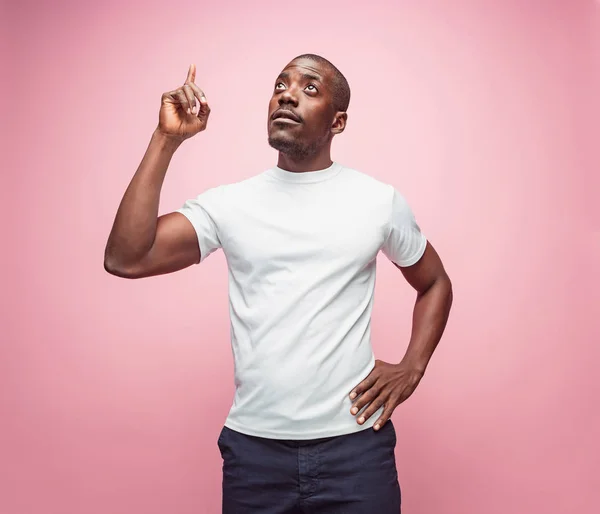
301,252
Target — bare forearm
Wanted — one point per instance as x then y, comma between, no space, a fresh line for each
134,228
430,316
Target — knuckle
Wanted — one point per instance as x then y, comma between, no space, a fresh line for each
376,405
365,400
360,405
367,396
375,390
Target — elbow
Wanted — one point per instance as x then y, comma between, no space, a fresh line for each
447,284
115,267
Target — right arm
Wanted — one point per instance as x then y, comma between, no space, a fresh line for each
141,244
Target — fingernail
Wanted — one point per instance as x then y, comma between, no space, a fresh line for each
361,420
352,395
188,111
354,410
203,98
376,427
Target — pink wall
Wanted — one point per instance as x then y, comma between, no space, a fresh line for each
485,115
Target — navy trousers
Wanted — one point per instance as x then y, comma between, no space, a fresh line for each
347,474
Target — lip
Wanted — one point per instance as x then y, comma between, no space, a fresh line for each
285,121
284,115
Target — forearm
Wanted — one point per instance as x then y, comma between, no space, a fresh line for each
430,315
134,228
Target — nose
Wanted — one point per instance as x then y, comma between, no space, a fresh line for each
289,96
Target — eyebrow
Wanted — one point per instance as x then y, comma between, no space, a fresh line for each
285,75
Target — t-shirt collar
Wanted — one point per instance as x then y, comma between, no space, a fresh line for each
305,177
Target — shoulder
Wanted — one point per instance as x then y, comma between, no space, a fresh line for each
369,186
229,191
233,190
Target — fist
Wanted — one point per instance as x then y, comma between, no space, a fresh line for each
184,111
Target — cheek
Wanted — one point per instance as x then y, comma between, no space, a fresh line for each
272,104
319,124
270,108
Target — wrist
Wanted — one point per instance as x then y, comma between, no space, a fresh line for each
166,141
414,365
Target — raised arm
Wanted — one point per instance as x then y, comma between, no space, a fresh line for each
141,243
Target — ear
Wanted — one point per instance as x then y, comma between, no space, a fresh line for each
339,122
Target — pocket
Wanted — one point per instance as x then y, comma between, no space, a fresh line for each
221,439
226,447
392,432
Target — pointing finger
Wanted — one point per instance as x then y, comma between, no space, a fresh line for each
363,386
191,76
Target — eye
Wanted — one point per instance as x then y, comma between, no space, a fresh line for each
279,84
313,88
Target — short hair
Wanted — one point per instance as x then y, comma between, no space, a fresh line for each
340,86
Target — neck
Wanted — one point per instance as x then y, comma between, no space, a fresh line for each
316,162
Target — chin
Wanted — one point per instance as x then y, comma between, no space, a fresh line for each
277,140
288,146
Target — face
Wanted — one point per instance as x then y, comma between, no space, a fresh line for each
302,118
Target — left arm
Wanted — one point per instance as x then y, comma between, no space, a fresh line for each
390,384
432,307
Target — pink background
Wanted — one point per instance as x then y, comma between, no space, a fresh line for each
484,114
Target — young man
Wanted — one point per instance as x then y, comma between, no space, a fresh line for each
309,429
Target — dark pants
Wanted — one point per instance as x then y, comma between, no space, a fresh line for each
347,474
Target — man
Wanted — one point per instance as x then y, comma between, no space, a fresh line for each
309,429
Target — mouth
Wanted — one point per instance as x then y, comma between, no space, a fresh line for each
285,116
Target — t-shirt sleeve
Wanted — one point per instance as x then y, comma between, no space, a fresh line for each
405,243
203,212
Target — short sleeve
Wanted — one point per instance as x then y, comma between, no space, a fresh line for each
405,244
203,213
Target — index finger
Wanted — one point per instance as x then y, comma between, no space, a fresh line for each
191,76
365,385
